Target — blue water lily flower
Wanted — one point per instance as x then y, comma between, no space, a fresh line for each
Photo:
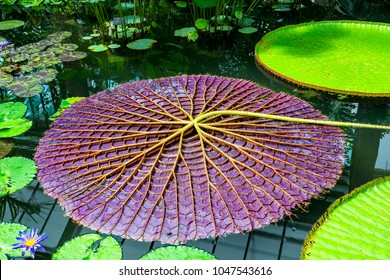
4,43
30,241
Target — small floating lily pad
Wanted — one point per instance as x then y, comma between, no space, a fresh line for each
9,232
10,24
94,35
89,247
15,174
45,75
347,57
355,227
60,35
281,7
86,38
98,48
114,46
12,122
247,30
60,48
26,86
184,32
181,252
72,56
141,44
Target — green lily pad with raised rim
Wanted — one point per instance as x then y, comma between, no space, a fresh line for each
12,122
355,227
141,44
10,24
347,57
15,174
9,232
180,252
89,246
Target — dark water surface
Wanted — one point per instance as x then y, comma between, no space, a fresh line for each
368,151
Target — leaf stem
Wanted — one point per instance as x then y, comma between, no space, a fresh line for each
203,117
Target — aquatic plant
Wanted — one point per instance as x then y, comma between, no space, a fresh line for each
141,44
65,104
187,157
10,24
15,174
30,242
351,58
180,252
89,246
356,226
12,122
7,237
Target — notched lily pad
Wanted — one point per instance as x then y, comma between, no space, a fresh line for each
159,160
15,174
45,75
12,122
26,86
89,247
72,56
9,232
61,48
98,48
184,32
5,79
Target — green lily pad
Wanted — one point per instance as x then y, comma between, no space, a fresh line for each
355,227
45,75
61,48
141,44
5,79
10,24
181,252
114,46
44,59
184,32
89,247
86,38
10,69
201,23
15,174
94,35
26,86
347,57
98,48
66,103
72,56
9,232
23,69
246,22
12,122
247,30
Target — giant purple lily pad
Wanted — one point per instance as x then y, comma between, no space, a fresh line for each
147,161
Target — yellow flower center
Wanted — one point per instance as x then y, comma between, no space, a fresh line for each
30,242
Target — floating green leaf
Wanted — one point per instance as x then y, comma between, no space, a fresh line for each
26,86
133,19
9,232
10,24
94,35
61,48
247,30
98,48
347,57
184,32
45,75
89,247
72,56
87,38
193,36
355,227
141,44
15,174
281,7
66,103
114,46
201,23
12,122
180,252
5,79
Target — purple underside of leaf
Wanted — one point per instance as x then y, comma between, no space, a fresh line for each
120,161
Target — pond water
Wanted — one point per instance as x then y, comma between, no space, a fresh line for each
368,151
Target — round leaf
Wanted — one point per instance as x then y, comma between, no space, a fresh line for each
356,226
5,79
347,57
10,24
72,56
201,23
89,247
98,48
26,86
138,161
9,232
12,122
15,174
45,75
178,253
184,32
247,30
141,44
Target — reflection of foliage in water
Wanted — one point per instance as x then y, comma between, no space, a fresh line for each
13,206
